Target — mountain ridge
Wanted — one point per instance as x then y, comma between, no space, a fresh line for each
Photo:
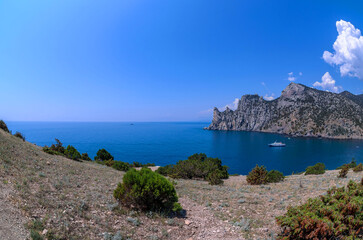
299,111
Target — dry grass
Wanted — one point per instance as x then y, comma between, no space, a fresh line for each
74,200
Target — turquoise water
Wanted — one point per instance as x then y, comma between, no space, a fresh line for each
165,143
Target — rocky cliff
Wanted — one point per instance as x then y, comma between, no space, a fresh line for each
299,111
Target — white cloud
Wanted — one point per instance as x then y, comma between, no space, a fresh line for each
291,77
327,83
348,50
300,73
232,106
269,97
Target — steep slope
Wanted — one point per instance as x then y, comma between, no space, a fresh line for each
64,199
299,111
358,99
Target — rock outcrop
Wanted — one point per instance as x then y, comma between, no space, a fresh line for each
299,111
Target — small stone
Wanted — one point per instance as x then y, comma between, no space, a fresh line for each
48,163
45,231
187,222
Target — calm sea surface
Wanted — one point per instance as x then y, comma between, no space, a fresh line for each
165,143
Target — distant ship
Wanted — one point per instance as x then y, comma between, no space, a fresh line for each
277,144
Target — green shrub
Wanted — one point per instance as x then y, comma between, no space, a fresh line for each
72,153
358,168
146,190
317,169
164,170
108,163
121,166
257,176
55,149
103,155
197,166
274,176
352,164
343,172
3,126
85,157
337,215
50,151
215,177
19,135
138,164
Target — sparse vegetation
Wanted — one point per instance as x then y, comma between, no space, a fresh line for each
146,190
55,149
19,135
72,153
138,164
317,169
215,177
337,215
274,176
343,172
85,157
103,155
3,126
259,175
358,168
121,166
352,164
197,166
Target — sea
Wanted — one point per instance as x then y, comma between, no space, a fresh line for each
165,143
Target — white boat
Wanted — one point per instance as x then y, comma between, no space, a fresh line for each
277,144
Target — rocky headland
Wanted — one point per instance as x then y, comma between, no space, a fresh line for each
299,111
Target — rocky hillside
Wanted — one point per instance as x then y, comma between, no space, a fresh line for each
299,111
60,199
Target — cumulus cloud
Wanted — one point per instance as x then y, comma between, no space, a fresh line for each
291,77
348,50
269,97
232,106
327,83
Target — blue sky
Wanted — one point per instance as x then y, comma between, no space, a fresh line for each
168,60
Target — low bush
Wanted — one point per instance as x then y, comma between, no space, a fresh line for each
108,163
72,153
58,149
103,155
165,170
138,164
343,172
197,166
317,169
337,215
19,135
85,157
50,151
352,164
358,168
146,190
121,166
257,176
215,177
55,149
3,126
274,176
